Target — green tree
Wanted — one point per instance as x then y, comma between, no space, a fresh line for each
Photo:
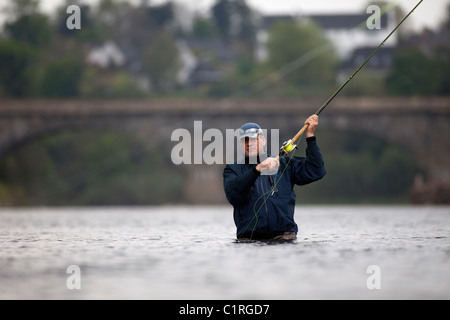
221,13
362,169
203,29
28,24
110,14
305,51
411,72
235,20
161,15
33,29
89,167
443,59
16,68
366,84
161,61
62,78
130,25
124,24
443,56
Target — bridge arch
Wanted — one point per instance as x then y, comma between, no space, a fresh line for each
420,125
88,165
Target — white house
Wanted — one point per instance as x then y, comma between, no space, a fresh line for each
188,62
346,31
109,54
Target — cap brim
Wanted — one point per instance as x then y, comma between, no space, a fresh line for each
250,135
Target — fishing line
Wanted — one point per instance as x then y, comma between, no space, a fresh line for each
290,147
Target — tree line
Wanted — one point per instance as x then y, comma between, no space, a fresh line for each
41,57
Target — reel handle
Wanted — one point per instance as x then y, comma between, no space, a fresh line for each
290,145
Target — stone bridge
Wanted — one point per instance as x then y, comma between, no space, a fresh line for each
419,125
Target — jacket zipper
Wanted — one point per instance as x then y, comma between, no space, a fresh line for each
265,202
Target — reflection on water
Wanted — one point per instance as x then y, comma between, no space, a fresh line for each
191,253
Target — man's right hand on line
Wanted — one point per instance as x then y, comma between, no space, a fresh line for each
270,164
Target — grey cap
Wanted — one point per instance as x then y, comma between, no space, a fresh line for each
250,130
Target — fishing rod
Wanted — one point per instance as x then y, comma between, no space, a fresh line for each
290,145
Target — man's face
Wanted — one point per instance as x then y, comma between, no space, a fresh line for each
253,147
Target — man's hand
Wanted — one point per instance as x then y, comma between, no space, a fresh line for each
313,122
270,164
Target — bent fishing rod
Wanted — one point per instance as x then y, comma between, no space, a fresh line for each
290,145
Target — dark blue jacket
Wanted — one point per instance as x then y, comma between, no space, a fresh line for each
265,204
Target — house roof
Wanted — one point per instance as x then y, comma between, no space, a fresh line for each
382,60
326,21
345,21
270,20
220,49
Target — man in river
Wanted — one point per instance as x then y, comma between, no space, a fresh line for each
264,204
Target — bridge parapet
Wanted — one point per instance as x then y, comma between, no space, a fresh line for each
421,125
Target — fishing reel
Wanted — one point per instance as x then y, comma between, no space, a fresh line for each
287,148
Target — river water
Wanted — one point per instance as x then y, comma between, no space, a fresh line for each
191,253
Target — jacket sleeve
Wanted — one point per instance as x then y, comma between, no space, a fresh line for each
238,186
309,169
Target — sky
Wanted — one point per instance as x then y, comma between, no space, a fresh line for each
430,13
